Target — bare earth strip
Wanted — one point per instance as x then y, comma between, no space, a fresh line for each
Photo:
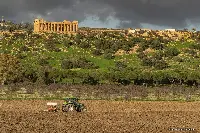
20,116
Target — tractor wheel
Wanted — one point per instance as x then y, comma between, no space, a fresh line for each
81,108
67,108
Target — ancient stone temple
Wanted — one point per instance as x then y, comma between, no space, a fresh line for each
65,27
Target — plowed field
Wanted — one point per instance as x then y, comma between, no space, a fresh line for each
102,116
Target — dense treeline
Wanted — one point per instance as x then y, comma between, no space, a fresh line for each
79,59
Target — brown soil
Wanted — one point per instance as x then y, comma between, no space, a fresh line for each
102,116
134,49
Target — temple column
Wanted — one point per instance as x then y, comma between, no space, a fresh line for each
64,26
49,26
41,26
76,27
44,27
73,27
57,27
70,27
54,27
67,27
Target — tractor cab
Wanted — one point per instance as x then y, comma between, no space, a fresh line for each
71,104
70,100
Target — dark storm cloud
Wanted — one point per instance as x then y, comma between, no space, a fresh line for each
158,12
131,13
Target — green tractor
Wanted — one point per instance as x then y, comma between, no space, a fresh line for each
72,104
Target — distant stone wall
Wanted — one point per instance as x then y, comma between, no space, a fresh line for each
57,27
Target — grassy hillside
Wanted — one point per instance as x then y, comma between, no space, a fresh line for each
95,58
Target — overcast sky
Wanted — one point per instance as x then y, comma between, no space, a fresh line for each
154,14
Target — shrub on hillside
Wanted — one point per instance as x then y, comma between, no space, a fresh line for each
97,52
141,55
84,63
146,61
124,81
126,47
109,56
43,61
155,61
78,63
160,64
140,50
178,59
67,64
90,80
108,51
192,52
120,64
24,48
85,45
195,46
115,47
170,52
67,43
51,46
157,44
